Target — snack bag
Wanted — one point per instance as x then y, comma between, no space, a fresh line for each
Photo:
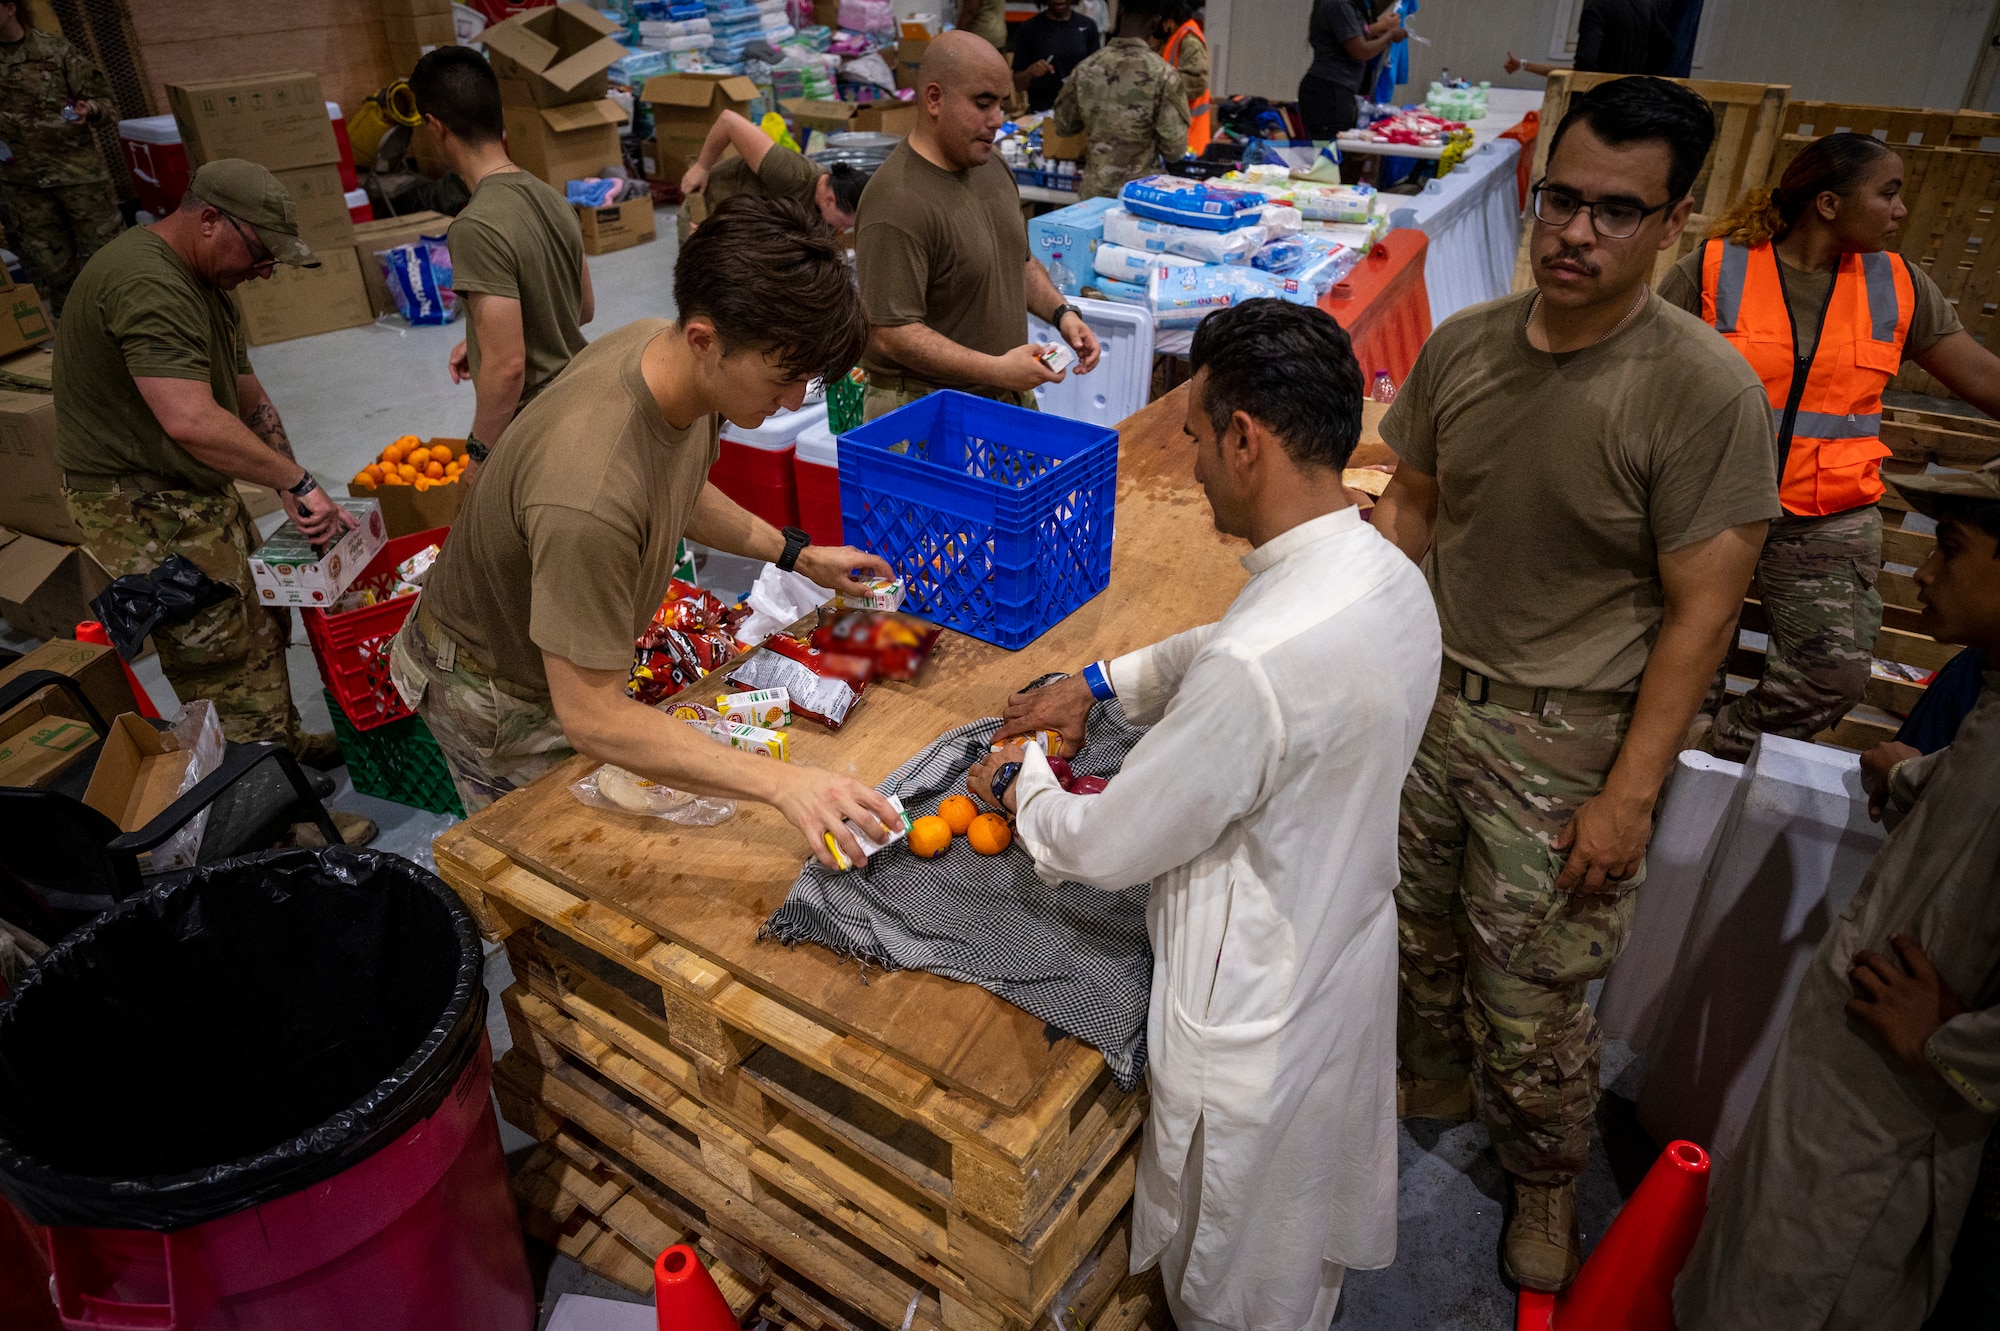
822,688
886,646
692,635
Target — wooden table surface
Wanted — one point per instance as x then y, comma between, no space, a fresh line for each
709,889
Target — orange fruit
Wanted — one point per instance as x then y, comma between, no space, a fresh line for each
989,834
958,813
435,471
423,483
364,479
393,478
417,457
929,836
392,454
406,471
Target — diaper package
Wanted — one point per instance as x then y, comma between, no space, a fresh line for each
1125,228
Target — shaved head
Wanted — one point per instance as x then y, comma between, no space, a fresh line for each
962,87
961,61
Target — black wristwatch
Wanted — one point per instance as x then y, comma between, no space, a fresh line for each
1003,779
1055,320
475,450
796,540
305,487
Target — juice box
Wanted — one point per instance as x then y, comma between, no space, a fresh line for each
882,594
870,846
769,708
756,739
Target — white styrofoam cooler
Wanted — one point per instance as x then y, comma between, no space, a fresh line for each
1123,379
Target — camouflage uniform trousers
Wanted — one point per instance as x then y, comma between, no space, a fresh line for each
1494,958
495,735
56,230
886,393
231,653
1816,578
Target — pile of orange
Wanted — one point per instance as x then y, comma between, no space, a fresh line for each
409,462
987,833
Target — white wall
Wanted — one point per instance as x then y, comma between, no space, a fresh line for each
1875,52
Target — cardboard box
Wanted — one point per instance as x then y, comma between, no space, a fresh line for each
909,57
618,227
23,321
324,222
258,500
684,106
564,143
276,120
424,150
407,510
884,117
559,53
403,58
298,302
139,773
45,588
287,570
33,369
37,741
31,498
422,30
95,668
1066,242
390,8
385,233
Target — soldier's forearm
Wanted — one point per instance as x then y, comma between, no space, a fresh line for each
264,423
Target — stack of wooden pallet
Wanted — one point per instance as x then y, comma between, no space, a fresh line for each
825,1175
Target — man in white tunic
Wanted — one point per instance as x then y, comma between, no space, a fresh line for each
1839,1211
1262,807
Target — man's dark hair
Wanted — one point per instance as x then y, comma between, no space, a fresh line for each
1641,109
1288,366
847,180
772,277
1981,513
455,84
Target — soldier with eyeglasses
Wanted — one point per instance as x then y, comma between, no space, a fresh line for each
1586,478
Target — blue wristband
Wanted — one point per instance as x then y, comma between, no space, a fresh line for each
1099,682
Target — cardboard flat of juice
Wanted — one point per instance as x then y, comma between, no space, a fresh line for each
769,708
287,570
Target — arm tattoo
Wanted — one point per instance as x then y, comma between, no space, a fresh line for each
264,423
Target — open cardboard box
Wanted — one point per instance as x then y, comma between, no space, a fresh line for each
139,773
684,106
93,666
559,144
884,116
407,510
38,740
46,588
558,53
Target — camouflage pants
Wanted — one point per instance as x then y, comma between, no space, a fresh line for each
879,400
231,653
1816,579
1495,960
495,735
56,230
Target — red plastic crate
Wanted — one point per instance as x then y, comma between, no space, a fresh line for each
352,647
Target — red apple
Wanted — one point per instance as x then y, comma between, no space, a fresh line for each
1088,785
1060,766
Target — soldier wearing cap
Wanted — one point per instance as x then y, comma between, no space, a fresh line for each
158,414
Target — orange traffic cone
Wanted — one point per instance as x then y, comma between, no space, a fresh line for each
90,630
1629,1280
684,1294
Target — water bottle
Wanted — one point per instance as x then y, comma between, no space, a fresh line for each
1383,390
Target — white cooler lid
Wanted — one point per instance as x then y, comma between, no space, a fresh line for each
778,432
333,111
355,198
819,446
150,129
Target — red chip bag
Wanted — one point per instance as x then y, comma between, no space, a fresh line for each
895,646
823,687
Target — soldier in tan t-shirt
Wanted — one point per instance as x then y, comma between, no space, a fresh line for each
1586,477
518,654
516,251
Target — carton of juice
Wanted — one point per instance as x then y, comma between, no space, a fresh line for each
769,708
870,846
756,739
882,594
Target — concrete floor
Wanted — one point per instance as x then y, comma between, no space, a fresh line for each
344,395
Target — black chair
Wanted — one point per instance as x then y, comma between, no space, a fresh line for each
77,863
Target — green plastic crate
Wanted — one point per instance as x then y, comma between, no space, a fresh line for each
400,762
843,403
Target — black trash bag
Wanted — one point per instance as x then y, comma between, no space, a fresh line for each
234,1036
136,604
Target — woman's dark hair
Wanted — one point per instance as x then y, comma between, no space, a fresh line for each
455,84
1642,109
1835,164
847,181
1288,366
772,277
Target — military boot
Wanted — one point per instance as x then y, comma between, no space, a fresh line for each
1542,1248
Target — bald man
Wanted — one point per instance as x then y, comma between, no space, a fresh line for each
942,249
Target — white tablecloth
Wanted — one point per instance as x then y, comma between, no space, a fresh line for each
1473,219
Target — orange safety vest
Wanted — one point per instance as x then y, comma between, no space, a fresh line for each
1827,413
1199,132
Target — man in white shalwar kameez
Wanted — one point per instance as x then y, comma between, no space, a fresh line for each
1262,807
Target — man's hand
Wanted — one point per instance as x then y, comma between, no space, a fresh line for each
319,518
1082,341
1022,371
694,178
1513,65
979,781
460,364
1877,765
1041,69
1063,707
842,567
818,802
1606,841
1904,1008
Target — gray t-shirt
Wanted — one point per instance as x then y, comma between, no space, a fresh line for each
1334,23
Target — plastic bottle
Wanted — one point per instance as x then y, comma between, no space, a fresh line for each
1383,389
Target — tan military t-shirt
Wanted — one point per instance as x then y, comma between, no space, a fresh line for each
1805,295
566,544
943,248
519,238
783,174
138,311
1562,479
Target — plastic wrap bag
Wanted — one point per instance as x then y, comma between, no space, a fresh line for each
612,787
1334,203
778,600
1121,264
198,731
868,15
1191,203
1128,229
419,277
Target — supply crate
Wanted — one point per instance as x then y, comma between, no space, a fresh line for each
1045,179
844,400
352,647
399,761
999,518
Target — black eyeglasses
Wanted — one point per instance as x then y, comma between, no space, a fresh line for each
1613,219
269,261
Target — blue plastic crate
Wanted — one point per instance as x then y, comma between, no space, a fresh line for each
999,518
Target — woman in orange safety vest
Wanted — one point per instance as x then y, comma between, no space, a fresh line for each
1187,51
1803,281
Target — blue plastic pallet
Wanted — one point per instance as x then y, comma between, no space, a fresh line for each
998,518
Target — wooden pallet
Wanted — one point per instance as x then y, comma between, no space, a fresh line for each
1748,120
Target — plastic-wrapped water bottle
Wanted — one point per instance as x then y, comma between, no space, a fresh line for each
1383,389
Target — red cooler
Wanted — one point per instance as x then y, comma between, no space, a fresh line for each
755,465
157,161
816,465
349,178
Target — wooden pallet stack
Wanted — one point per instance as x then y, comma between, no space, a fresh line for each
1919,439
825,1173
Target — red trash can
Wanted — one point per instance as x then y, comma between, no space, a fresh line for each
259,1100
